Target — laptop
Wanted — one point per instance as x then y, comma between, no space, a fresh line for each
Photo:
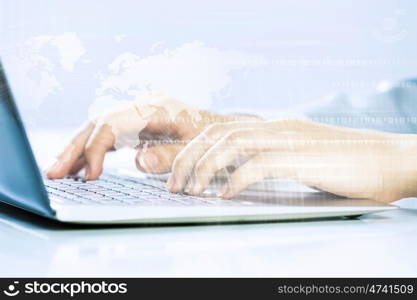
125,197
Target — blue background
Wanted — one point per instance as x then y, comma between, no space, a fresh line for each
379,37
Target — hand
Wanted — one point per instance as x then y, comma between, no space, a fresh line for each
346,162
157,125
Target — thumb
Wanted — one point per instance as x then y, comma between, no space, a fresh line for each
157,159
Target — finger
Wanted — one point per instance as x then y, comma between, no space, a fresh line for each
255,170
65,161
157,159
185,161
100,142
305,167
78,165
238,144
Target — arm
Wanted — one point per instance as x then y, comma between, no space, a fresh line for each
157,125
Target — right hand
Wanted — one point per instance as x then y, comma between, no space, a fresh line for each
161,127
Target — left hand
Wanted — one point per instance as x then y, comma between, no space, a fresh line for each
156,124
347,162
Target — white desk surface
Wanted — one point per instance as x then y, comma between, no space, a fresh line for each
383,244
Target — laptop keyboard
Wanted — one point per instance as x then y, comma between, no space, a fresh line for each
115,190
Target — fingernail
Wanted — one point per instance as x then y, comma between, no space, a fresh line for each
87,174
150,160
